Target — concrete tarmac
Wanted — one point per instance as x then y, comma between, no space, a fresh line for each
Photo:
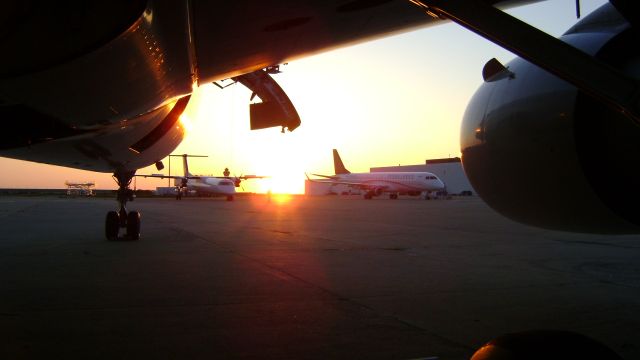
301,278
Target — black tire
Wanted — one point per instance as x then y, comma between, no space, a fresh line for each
133,225
112,225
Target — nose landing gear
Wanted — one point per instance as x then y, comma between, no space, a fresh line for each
121,219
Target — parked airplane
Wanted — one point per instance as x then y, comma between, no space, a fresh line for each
204,185
109,96
377,183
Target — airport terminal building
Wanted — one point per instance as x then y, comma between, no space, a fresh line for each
449,170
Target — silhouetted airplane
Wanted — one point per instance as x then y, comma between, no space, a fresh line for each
205,185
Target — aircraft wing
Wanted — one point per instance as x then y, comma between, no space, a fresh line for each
259,33
243,177
324,176
248,177
161,176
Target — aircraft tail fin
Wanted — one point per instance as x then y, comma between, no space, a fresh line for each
338,165
185,165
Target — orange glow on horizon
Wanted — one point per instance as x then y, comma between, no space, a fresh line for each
280,199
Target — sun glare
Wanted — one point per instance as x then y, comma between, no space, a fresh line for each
282,184
283,168
186,122
280,199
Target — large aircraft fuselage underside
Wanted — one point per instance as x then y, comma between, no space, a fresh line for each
104,73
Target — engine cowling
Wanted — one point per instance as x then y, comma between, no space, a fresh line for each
544,344
540,152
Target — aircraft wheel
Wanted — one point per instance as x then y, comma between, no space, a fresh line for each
367,196
112,225
133,225
230,198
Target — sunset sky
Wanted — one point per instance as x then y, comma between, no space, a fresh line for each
397,100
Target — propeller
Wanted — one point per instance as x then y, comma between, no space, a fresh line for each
182,186
237,180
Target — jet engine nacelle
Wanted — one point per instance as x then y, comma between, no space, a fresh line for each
541,152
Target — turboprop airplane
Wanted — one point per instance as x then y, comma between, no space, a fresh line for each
378,183
203,185
101,87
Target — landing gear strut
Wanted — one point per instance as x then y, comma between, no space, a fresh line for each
121,219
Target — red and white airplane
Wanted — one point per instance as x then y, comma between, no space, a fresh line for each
378,183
